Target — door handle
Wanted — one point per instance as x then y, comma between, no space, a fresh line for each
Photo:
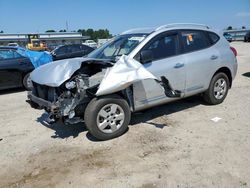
179,65
213,57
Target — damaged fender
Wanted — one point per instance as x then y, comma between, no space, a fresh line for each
56,73
125,72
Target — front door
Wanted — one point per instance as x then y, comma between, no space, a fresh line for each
166,62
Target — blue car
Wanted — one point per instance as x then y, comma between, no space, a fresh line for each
228,37
16,64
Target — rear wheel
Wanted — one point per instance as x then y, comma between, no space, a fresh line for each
107,117
218,89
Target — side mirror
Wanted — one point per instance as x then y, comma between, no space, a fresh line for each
146,56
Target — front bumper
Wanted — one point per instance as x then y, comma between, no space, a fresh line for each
49,106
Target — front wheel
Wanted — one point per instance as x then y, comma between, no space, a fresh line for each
107,117
27,83
217,90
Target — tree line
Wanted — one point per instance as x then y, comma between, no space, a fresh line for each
93,34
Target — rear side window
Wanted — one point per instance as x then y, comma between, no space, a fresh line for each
61,50
194,40
16,55
86,49
213,37
74,48
163,47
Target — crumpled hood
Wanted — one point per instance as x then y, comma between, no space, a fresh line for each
57,72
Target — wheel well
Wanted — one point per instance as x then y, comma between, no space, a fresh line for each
227,72
25,73
127,94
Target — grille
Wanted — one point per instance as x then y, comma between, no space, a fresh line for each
45,92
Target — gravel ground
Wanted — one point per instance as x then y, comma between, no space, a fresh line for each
175,145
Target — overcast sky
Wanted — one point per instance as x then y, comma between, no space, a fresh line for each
25,16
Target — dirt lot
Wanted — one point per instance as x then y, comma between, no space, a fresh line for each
175,145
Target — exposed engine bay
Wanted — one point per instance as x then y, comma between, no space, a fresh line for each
70,98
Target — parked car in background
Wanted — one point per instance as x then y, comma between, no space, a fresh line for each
145,67
247,37
90,43
14,68
101,42
228,37
70,51
51,47
13,44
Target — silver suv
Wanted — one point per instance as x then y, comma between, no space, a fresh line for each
183,59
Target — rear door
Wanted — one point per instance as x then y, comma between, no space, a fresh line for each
200,59
167,62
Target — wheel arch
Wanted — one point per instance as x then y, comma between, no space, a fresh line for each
226,71
127,94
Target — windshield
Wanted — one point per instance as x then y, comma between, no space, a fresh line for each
120,45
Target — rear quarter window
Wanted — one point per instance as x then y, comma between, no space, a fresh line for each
213,37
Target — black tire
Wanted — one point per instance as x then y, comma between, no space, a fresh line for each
26,83
91,116
209,95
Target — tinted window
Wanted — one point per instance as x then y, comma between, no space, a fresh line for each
6,54
16,55
61,50
74,48
213,37
163,47
86,49
193,40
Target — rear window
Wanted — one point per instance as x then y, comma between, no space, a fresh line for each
213,37
194,40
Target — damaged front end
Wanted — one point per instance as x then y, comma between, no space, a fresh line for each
64,88
69,100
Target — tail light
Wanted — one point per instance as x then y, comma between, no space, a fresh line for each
234,51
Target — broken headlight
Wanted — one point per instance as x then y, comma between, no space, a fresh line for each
70,85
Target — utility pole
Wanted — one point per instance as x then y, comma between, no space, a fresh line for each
67,26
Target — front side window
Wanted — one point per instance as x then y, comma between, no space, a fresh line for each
163,47
193,40
121,45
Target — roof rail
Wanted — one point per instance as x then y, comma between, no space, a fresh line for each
181,24
139,30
